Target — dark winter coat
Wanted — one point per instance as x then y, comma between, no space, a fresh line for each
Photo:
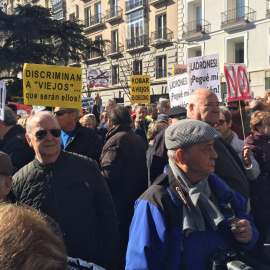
260,188
123,165
15,145
72,191
85,142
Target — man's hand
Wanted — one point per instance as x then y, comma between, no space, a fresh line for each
243,233
246,155
97,98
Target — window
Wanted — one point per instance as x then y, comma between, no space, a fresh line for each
115,41
194,16
114,8
161,26
87,17
194,51
161,67
137,67
72,17
115,74
98,13
135,29
235,49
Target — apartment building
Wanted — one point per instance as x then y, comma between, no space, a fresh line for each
237,30
142,35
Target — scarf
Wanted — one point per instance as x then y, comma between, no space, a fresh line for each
228,136
201,207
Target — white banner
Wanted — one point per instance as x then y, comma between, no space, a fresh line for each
203,72
2,100
87,102
179,90
97,77
38,108
237,82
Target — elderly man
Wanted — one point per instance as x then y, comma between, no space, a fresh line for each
123,165
13,142
183,220
204,106
6,171
69,188
76,138
163,107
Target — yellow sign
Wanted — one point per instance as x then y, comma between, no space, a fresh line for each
140,89
52,86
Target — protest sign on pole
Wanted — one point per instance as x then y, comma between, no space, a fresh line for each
97,77
179,90
178,69
87,103
140,89
237,82
52,86
2,100
203,72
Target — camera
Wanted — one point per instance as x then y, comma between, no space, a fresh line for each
224,259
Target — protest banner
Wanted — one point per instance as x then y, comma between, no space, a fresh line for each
203,72
178,87
39,108
97,77
87,103
2,100
178,69
26,108
52,86
140,89
238,86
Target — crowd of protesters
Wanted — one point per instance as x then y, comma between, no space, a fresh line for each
135,187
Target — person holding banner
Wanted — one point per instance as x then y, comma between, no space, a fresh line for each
259,144
204,106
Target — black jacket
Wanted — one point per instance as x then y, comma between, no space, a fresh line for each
72,191
15,145
85,142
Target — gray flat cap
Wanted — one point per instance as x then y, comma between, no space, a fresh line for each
188,132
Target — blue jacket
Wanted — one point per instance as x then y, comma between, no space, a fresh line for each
156,237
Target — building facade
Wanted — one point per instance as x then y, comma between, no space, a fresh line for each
147,37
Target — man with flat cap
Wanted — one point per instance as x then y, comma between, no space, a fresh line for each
159,150
182,220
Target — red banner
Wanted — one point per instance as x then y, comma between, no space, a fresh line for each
27,108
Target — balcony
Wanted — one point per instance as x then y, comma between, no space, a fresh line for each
94,21
133,5
94,56
237,18
115,49
268,8
155,2
114,14
137,43
160,37
196,30
58,6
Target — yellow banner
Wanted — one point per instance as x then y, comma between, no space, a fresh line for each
140,89
53,86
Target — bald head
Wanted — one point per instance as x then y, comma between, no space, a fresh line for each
204,106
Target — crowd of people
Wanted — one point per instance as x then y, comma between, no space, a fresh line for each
135,187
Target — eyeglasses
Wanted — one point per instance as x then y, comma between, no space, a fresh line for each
220,122
42,133
104,116
234,108
62,112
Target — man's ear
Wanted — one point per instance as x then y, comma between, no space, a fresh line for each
109,123
181,156
191,108
28,139
170,121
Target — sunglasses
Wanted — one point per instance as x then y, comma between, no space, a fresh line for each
102,116
42,133
234,108
62,112
220,122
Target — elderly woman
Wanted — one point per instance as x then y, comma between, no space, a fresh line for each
260,188
224,127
